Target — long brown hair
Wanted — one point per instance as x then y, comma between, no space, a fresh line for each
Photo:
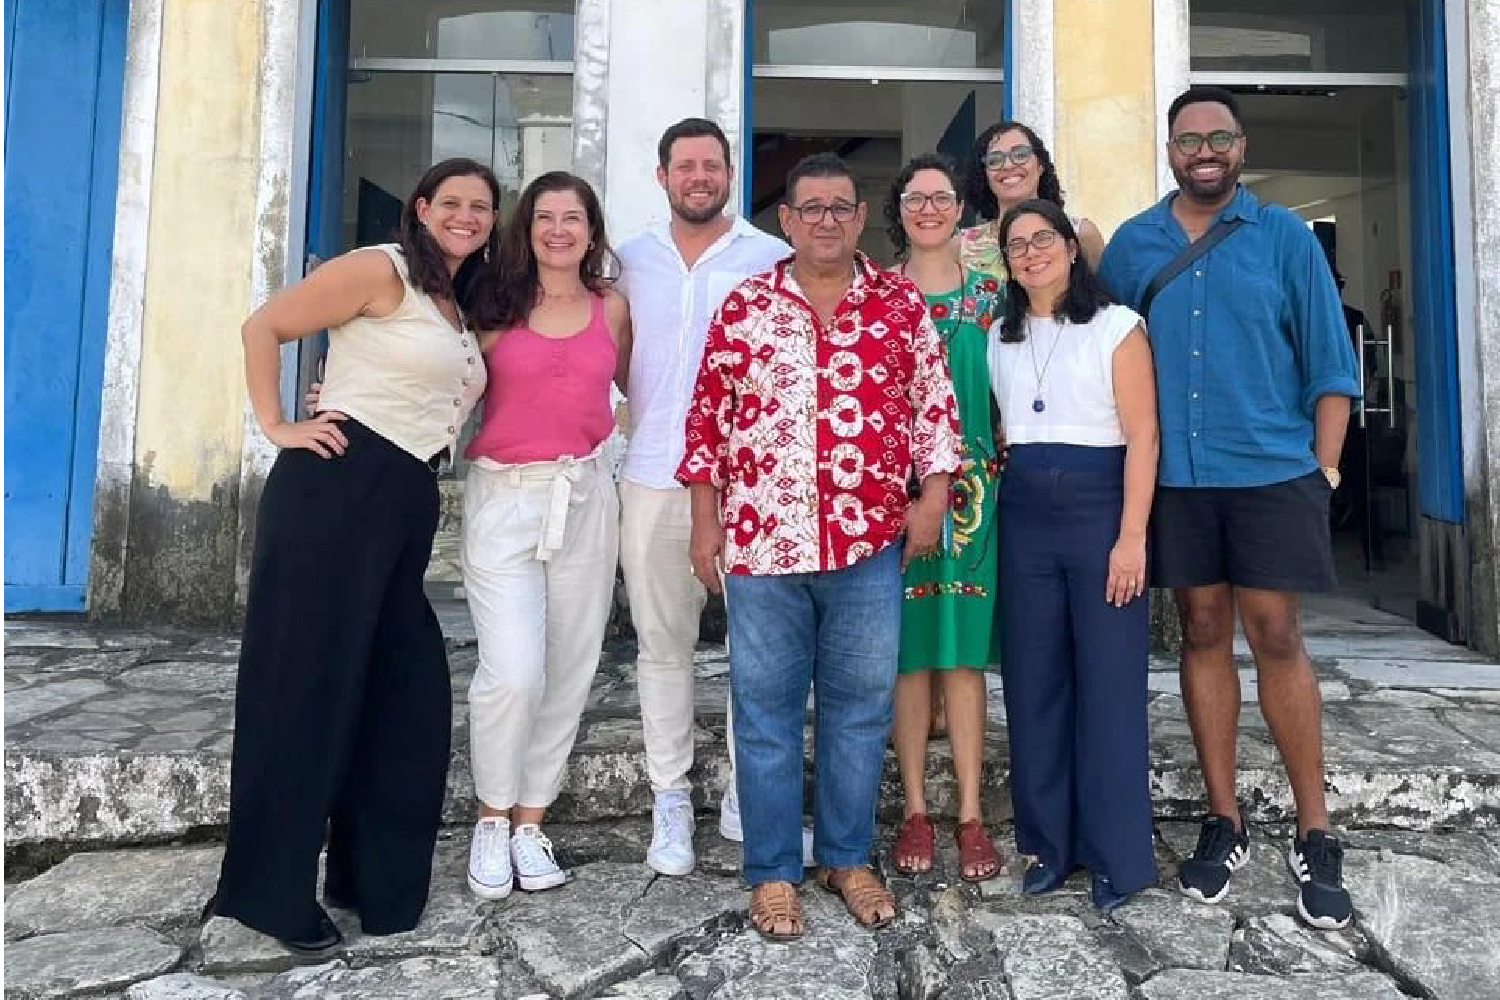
513,288
424,259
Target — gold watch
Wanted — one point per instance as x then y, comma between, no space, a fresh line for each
1332,474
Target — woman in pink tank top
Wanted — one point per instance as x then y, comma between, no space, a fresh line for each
540,519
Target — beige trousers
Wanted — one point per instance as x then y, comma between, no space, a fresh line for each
666,602
540,546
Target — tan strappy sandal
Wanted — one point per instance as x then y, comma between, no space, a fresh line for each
866,898
775,905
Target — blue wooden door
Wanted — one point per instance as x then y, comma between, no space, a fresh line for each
64,75
1434,315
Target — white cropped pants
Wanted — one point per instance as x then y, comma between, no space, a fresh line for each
666,604
541,542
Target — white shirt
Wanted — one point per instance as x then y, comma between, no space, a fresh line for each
670,309
1071,370
410,377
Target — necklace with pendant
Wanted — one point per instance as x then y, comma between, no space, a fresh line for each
1038,404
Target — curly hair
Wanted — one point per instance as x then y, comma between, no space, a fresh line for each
894,230
1084,297
512,286
981,198
424,259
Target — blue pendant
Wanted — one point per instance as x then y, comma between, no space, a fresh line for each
1038,405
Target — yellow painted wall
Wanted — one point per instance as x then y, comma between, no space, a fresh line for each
1105,133
202,235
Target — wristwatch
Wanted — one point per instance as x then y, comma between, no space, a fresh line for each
1332,474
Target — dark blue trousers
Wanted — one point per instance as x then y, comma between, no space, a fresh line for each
1074,667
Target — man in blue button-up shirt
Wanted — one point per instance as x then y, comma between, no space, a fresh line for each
1254,377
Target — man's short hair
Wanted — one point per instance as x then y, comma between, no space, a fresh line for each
1205,95
691,128
818,165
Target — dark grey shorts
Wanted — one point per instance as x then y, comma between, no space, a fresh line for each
1273,537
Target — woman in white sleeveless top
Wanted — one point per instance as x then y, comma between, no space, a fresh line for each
1073,379
342,708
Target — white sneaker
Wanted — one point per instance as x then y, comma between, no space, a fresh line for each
489,858
730,827
536,868
671,850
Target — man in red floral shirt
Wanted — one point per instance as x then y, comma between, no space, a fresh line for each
822,388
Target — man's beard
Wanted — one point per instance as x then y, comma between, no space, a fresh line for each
698,216
1209,190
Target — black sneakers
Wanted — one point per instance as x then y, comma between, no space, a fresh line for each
1317,863
1222,848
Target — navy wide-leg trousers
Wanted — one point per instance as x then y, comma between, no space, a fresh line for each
1074,667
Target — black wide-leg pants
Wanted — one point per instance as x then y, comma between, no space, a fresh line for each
343,706
1074,667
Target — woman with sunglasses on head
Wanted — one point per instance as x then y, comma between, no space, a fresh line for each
1073,378
541,519
948,634
1010,164
342,705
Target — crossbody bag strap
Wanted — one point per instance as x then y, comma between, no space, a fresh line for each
1184,260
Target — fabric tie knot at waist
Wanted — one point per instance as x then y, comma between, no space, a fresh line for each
566,479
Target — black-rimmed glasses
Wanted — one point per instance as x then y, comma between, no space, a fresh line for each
1219,140
1041,239
996,159
813,213
915,201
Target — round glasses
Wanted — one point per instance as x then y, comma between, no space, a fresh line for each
996,159
941,201
1219,140
1041,239
812,214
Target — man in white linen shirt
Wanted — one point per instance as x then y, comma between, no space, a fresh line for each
675,276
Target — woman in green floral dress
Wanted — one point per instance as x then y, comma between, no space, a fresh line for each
948,621
1010,164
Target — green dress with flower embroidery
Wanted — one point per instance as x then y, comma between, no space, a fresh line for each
949,616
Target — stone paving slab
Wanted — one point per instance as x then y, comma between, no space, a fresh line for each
1423,924
77,963
118,737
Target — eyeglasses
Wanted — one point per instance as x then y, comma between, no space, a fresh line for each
996,159
812,214
1041,240
915,201
1220,141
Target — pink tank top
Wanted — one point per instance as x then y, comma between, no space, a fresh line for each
547,397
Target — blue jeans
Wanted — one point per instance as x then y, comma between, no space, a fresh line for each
840,631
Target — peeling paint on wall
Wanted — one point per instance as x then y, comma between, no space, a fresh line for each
1105,113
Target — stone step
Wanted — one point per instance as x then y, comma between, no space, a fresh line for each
124,738
1427,923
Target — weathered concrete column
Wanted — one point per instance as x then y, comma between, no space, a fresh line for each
640,66
203,214
1482,468
1105,133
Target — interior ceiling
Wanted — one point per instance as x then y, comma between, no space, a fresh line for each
1341,111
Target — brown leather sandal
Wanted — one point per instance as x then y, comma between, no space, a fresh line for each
868,901
917,839
976,851
774,905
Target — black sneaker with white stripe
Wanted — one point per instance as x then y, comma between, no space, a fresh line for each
1317,863
1223,847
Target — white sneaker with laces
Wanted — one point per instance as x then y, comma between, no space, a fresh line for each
730,827
531,852
489,858
671,850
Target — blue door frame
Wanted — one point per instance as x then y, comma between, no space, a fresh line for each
1440,477
64,75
